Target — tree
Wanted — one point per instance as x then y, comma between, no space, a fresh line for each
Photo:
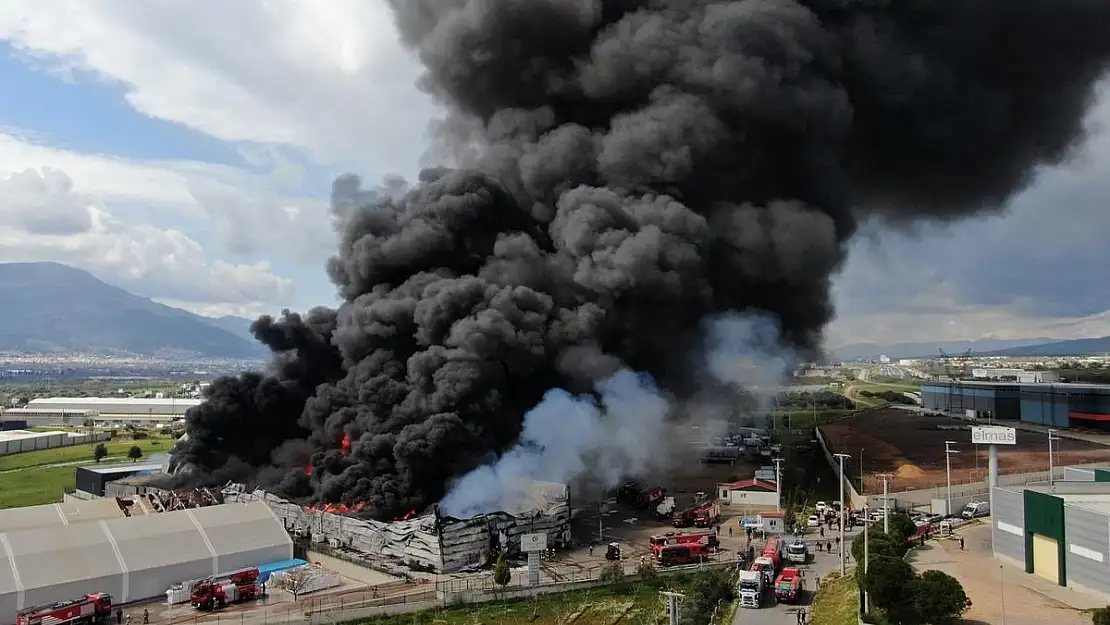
135,453
295,580
939,598
100,452
501,574
904,525
1101,616
889,581
879,544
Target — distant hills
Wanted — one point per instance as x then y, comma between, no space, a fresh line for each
1012,348
53,308
1075,347
930,350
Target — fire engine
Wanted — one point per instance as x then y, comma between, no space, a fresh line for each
92,608
709,539
217,592
687,553
636,494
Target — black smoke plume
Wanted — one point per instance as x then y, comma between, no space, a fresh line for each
628,167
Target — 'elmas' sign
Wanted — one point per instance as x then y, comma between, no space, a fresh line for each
993,435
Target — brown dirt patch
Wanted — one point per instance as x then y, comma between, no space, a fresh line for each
911,447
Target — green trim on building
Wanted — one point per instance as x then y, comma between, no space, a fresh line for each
1044,515
1102,475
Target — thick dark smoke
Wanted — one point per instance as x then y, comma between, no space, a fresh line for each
629,168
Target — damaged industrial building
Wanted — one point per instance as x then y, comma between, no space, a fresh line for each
431,542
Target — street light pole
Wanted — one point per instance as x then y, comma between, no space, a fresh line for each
1052,438
778,483
948,451
886,501
841,457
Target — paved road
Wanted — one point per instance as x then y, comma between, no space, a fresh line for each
821,565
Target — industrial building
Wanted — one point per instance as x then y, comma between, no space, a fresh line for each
1059,532
754,493
92,479
987,400
61,551
1021,376
18,441
1056,405
431,542
78,410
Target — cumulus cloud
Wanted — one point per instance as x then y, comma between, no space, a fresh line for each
48,219
326,77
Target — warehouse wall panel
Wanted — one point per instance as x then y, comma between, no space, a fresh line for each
1072,474
1008,519
244,535
160,550
1088,548
67,561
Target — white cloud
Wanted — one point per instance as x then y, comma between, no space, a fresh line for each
326,77
156,262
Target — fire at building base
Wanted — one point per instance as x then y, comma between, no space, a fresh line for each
431,542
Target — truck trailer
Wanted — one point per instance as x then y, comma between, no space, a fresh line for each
92,608
657,542
788,586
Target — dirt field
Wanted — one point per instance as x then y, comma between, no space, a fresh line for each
911,447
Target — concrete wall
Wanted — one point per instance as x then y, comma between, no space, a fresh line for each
49,440
850,493
925,496
351,570
1088,550
1072,474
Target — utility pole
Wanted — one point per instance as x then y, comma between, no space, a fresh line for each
886,501
778,482
674,604
841,457
601,522
948,451
866,557
1052,438
861,473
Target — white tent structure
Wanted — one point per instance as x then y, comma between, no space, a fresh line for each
134,558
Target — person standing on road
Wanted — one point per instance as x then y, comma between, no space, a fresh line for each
591,549
730,531
961,543
822,532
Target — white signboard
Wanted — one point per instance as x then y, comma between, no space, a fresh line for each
530,543
993,435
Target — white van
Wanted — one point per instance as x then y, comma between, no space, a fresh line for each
976,509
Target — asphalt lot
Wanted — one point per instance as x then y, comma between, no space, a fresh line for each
820,565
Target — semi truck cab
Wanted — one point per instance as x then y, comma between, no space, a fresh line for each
750,589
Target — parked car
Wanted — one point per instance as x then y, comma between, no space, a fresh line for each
813,521
821,506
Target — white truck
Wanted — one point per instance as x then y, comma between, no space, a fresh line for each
797,552
750,589
976,509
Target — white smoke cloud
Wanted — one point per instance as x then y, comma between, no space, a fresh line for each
565,437
745,352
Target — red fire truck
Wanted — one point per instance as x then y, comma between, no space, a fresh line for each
703,515
687,553
92,608
708,539
636,494
217,592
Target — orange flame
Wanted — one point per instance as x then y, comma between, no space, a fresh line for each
337,508
406,516
308,469
345,445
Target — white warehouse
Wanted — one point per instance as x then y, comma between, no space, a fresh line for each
62,551
67,410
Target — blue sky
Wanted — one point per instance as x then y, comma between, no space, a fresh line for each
198,147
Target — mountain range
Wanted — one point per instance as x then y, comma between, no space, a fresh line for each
1032,347
54,309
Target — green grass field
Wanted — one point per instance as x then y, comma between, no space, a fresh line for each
34,477
117,450
638,603
837,603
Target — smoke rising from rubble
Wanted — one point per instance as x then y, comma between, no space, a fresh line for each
629,168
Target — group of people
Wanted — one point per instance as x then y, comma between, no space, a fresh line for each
120,618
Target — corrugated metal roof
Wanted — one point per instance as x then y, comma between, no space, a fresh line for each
125,467
770,486
93,402
15,519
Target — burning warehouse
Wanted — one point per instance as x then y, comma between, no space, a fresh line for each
433,541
